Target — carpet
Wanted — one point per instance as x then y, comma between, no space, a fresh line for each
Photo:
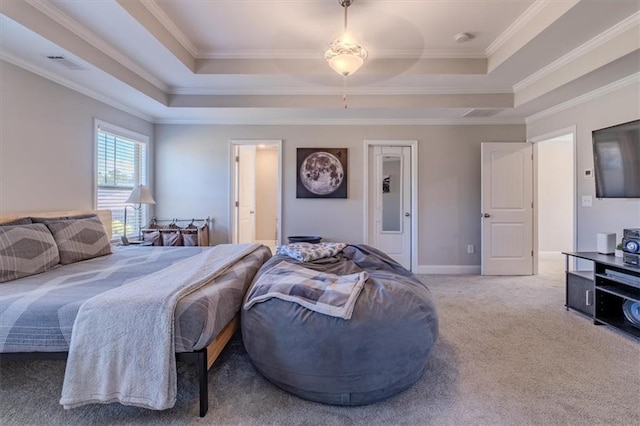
509,353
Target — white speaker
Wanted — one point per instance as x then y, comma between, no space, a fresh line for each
606,243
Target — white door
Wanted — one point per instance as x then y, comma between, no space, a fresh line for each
391,194
507,209
246,193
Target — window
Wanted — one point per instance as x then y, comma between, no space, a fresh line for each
121,165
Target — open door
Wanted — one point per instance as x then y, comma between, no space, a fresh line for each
256,191
246,193
507,209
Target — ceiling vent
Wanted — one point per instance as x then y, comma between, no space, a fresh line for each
482,112
65,62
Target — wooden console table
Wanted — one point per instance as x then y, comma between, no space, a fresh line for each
600,294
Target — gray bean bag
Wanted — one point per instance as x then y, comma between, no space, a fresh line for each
380,351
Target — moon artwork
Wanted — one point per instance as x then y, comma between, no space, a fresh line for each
322,173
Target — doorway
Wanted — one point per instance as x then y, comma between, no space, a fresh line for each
256,192
555,192
391,199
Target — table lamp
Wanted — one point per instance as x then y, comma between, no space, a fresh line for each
140,195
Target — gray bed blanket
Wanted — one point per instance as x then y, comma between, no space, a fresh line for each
328,294
122,347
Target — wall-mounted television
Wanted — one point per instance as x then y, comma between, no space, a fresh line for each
616,160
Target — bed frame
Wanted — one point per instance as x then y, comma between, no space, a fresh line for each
203,358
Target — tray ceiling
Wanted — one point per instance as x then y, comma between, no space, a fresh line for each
261,61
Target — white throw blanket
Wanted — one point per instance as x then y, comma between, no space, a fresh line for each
122,347
328,294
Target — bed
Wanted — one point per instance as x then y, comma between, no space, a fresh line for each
38,312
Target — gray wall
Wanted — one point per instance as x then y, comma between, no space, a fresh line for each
193,178
47,143
606,215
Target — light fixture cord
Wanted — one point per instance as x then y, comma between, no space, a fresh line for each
344,91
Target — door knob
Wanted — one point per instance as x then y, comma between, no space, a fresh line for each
407,214
486,215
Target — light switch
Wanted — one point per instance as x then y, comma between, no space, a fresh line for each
587,201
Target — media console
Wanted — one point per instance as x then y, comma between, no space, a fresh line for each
600,294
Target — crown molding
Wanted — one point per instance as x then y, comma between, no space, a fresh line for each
315,54
516,26
599,40
5,56
170,26
604,90
346,122
46,7
353,91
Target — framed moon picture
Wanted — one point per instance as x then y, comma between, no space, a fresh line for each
322,173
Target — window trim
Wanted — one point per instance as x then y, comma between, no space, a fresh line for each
99,125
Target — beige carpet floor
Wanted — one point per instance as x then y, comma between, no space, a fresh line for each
508,354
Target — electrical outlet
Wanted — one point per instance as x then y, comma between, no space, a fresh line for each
587,201
471,249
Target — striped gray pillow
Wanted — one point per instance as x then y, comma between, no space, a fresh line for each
26,250
79,239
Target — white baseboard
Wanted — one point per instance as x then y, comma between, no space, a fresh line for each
448,269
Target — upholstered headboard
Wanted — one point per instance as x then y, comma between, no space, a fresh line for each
104,215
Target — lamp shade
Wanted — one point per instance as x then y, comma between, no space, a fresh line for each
346,64
345,55
140,195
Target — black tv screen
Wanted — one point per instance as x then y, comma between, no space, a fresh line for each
616,158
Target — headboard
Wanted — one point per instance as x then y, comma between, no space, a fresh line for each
104,215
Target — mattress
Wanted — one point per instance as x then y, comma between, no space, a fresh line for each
37,312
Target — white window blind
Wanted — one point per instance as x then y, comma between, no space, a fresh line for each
121,164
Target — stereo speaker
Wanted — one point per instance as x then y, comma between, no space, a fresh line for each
631,245
606,243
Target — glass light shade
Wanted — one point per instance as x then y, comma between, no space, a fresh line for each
140,195
345,55
346,64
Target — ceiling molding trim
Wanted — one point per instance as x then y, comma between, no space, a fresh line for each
73,86
311,91
350,122
516,26
170,26
84,33
604,90
375,54
429,54
599,40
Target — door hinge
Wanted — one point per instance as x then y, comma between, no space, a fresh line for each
532,204
531,253
237,204
237,158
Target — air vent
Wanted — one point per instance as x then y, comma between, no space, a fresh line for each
482,112
65,62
